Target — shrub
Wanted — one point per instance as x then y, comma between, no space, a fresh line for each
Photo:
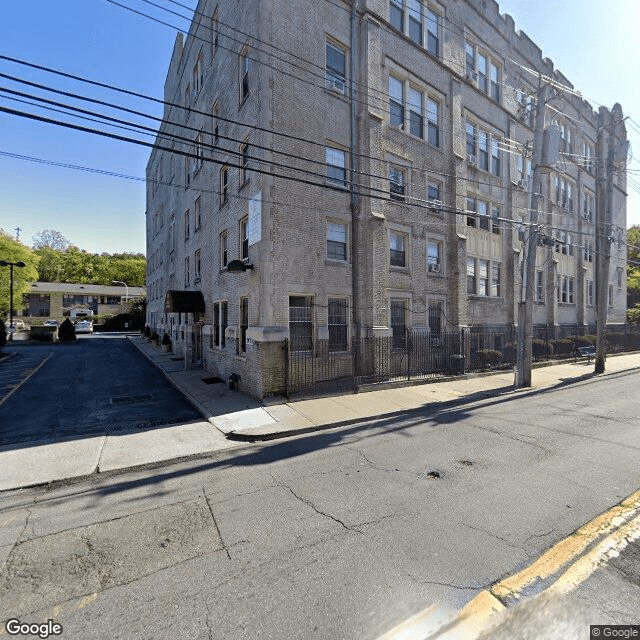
166,339
541,348
3,334
564,347
155,336
147,331
66,331
586,341
488,357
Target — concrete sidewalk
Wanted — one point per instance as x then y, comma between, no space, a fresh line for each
232,419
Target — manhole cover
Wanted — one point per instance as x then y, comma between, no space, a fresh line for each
214,380
130,399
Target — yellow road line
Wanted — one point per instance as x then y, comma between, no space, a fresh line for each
568,549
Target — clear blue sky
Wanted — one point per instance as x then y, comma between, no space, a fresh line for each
591,42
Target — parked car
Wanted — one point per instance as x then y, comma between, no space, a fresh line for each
51,323
18,325
84,326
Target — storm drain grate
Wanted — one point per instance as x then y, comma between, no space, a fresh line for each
214,380
131,399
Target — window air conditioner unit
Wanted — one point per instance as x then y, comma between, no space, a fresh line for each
436,205
472,75
434,268
471,159
523,184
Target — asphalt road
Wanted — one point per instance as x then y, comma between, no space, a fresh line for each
94,385
334,535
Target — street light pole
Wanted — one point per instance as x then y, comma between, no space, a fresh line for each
6,263
126,292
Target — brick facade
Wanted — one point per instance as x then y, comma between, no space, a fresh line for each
268,68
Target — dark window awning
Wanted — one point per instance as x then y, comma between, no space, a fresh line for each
184,302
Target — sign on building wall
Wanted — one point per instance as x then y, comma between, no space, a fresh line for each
254,228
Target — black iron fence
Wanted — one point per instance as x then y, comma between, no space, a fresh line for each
324,366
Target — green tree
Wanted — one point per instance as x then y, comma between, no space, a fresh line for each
633,266
14,251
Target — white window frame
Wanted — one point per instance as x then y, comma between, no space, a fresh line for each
335,80
336,230
336,159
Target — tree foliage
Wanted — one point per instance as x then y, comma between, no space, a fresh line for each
633,255
75,265
51,239
14,251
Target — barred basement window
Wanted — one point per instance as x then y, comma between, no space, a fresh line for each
301,323
338,326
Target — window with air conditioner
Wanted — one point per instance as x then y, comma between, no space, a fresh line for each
336,65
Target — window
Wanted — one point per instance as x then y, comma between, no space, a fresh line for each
495,221
199,151
416,120
244,157
564,193
186,272
301,323
214,124
245,63
220,317
436,313
483,71
187,101
244,239
472,220
244,323
471,276
214,32
588,154
172,233
590,290
336,241
396,14
540,286
197,265
186,224
415,21
433,109
338,326
525,105
336,68
587,207
396,183
434,256
336,166
433,191
483,150
224,255
494,284
197,215
471,142
397,249
619,277
197,78
566,138
588,252
224,185
396,102
565,290
398,312
484,277
495,157
433,32
483,218
611,296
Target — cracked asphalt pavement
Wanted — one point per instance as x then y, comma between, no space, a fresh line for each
338,534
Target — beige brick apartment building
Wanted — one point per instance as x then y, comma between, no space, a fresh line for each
363,167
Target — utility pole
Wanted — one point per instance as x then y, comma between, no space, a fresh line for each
604,181
525,305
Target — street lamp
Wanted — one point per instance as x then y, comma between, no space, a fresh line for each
126,293
5,263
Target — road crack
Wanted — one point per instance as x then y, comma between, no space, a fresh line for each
215,524
493,535
318,511
445,584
